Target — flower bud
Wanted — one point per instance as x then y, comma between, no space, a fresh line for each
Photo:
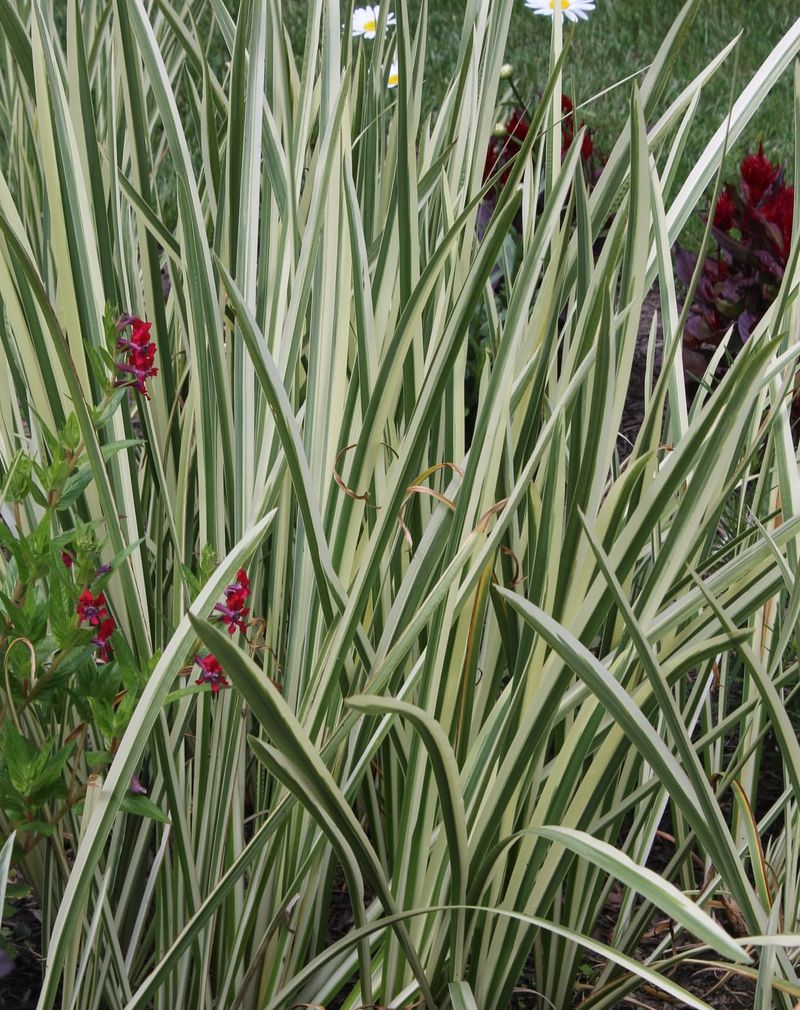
499,130
506,72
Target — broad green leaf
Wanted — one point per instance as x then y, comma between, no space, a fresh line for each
651,885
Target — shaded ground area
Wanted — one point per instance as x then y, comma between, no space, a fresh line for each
20,961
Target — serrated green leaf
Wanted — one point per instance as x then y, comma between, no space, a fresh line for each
143,806
21,755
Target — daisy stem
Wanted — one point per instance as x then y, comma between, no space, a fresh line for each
526,106
554,132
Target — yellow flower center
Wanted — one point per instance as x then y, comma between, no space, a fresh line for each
393,80
372,25
564,5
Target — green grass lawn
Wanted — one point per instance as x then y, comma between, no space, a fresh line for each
621,38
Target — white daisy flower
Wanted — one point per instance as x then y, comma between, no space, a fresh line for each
394,75
572,9
365,21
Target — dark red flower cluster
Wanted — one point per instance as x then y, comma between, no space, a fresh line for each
141,353
211,673
568,130
758,174
504,146
778,211
502,149
233,611
763,208
752,224
725,211
92,610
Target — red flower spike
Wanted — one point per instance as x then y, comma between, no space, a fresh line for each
106,630
233,611
91,609
101,640
725,211
140,332
740,281
67,559
211,673
141,353
758,174
778,210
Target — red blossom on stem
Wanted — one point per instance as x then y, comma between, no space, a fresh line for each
211,673
233,611
92,610
101,640
141,353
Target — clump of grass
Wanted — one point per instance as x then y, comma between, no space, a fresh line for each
487,658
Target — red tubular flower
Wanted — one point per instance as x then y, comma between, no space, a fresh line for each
211,673
587,146
91,609
136,787
67,559
139,338
758,174
237,592
101,640
141,353
233,611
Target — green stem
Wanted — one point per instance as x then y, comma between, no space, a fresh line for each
554,133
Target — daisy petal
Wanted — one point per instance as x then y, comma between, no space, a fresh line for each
572,10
